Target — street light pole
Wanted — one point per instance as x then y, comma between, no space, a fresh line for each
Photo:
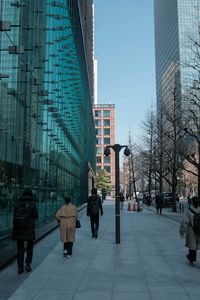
117,204
116,148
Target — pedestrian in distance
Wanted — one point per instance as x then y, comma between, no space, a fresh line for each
159,203
190,228
25,214
66,216
148,200
94,205
121,199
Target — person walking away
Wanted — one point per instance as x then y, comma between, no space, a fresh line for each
159,203
148,200
94,205
190,228
25,214
66,216
121,199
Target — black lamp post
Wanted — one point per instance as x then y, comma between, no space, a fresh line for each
116,148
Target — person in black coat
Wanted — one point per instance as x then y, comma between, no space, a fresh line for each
159,203
121,199
94,204
24,229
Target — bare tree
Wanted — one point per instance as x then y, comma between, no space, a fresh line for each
133,174
149,127
172,142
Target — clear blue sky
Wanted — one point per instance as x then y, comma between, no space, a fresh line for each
124,48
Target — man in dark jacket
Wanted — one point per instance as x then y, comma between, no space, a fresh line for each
93,206
159,203
25,213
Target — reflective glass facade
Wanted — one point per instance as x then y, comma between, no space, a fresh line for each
175,20
47,132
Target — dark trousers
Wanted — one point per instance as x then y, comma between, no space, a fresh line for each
94,220
20,253
68,246
192,255
159,209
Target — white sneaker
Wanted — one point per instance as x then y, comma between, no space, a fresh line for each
68,256
65,253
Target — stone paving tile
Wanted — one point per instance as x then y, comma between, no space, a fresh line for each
54,295
119,295
24,293
166,287
194,296
169,296
149,263
93,294
130,285
60,282
91,282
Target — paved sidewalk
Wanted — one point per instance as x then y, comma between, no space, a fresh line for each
149,263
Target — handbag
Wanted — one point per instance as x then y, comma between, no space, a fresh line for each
78,224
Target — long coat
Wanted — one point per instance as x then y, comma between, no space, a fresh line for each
67,215
192,239
28,233
159,202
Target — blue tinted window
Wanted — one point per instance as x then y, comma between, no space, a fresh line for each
98,131
106,122
97,122
106,113
107,159
97,113
107,141
106,131
107,168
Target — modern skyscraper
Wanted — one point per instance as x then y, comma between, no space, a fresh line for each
175,21
95,81
47,132
104,116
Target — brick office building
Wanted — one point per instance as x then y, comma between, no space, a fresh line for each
104,116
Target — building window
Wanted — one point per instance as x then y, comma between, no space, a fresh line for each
107,141
106,113
97,113
107,168
97,122
98,131
107,159
98,141
98,159
106,131
106,122
98,150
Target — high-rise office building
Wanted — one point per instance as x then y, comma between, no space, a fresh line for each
175,21
104,116
47,132
95,81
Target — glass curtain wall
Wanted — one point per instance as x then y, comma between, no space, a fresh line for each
46,124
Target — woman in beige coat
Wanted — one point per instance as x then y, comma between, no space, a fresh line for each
186,229
66,216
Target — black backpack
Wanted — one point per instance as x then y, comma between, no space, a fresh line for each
94,205
21,218
196,222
